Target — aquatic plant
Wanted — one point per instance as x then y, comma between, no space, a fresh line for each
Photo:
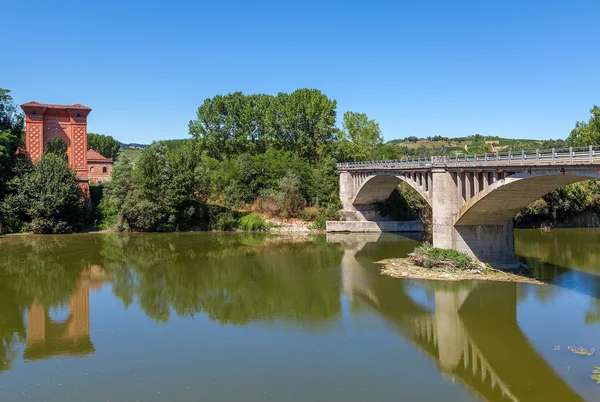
596,374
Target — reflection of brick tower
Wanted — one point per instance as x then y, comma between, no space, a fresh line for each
45,122
46,338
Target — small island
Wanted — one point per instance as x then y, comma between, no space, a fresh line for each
427,262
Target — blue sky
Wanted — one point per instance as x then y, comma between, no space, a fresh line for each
509,68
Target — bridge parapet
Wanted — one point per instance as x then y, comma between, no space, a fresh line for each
539,157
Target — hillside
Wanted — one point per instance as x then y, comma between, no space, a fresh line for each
472,144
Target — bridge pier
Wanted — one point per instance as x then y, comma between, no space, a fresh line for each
493,244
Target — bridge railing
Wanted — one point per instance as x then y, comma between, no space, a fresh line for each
562,156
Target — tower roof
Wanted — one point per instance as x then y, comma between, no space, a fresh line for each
55,106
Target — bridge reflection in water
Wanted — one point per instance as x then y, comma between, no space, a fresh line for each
71,337
472,332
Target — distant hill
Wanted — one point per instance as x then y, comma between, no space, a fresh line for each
133,145
474,144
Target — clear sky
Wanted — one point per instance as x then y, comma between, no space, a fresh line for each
525,69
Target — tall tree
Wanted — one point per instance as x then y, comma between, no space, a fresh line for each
586,133
364,135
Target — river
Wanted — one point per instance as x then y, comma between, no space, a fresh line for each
250,317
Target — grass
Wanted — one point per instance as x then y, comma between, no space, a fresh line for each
432,257
253,223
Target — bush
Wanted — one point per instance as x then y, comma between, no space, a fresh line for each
253,223
432,257
319,222
309,213
45,198
224,221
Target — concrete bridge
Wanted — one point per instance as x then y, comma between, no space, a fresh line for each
473,198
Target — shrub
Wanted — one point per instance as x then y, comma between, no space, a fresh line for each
290,198
319,222
431,257
224,221
309,213
46,199
253,223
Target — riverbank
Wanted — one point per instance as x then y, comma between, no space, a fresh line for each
403,268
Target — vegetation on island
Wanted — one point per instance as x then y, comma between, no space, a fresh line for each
438,258
427,262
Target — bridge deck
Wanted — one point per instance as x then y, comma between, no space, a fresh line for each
539,158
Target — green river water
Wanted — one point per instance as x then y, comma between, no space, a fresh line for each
246,317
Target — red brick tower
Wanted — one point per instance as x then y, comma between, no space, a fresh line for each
45,122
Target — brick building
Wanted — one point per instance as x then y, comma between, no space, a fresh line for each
99,167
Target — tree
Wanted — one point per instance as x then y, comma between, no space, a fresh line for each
106,145
586,133
45,198
364,134
58,147
11,137
302,122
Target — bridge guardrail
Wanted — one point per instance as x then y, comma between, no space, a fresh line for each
563,156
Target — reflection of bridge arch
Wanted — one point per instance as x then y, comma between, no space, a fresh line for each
472,333
47,338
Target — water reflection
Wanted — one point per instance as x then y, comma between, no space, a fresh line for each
469,329
48,338
569,259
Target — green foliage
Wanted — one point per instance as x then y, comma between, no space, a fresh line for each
586,133
58,147
301,122
404,204
364,135
159,193
319,223
565,202
44,199
253,223
106,145
435,257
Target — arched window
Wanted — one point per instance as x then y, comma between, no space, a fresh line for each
104,169
92,169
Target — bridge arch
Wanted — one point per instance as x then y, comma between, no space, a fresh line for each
379,186
502,200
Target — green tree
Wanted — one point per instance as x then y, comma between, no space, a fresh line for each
364,134
45,198
58,147
11,134
106,145
586,133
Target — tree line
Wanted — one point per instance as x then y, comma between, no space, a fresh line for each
271,155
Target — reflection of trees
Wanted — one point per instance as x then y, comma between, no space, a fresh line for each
12,327
567,248
219,275
559,251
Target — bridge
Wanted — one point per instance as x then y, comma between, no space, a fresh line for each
473,198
